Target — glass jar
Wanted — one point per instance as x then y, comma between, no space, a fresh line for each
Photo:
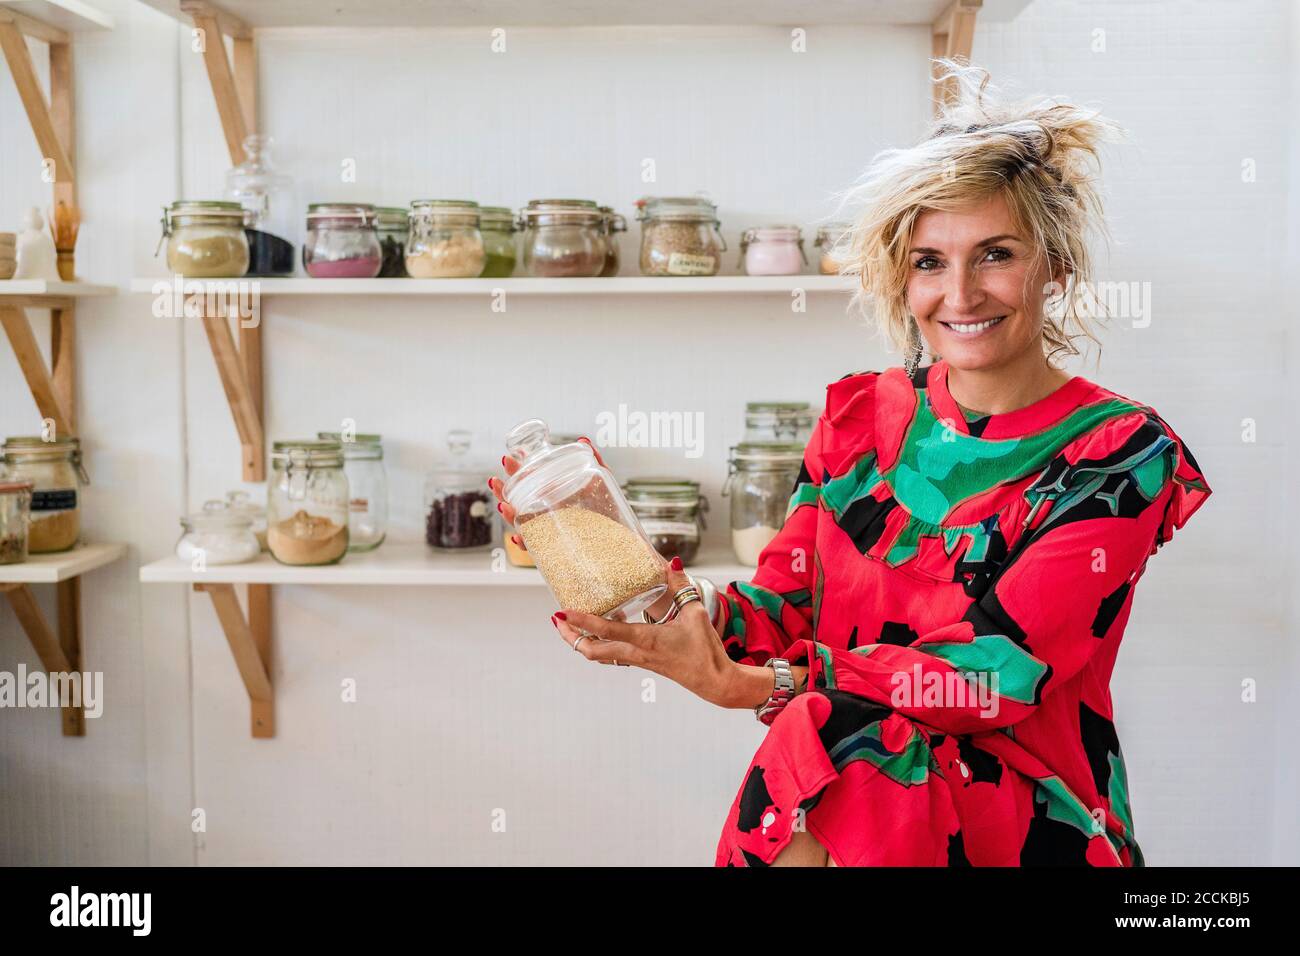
218,534
15,514
790,422
614,224
671,512
459,507
392,225
519,556
342,242
363,462
680,236
497,224
55,472
563,238
307,503
579,528
445,241
242,502
828,239
772,251
205,240
267,200
761,478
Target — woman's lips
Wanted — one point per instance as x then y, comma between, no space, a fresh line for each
973,330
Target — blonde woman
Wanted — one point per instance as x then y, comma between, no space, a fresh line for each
932,633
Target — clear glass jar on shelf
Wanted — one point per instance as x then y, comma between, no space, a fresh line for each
671,512
242,502
266,196
15,517
829,238
579,528
363,463
445,241
342,242
680,236
459,508
54,469
497,224
218,534
307,503
205,239
614,224
392,225
761,479
772,251
563,238
778,422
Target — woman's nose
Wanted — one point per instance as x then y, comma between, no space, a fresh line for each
963,294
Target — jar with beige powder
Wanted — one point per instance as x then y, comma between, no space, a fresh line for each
307,503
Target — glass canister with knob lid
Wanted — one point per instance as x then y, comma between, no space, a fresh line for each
54,469
242,502
363,463
579,528
519,556
761,480
307,502
563,238
459,509
217,534
671,512
266,196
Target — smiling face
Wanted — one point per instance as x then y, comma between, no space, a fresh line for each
973,287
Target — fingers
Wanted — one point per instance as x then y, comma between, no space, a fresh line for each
596,648
507,510
678,579
638,635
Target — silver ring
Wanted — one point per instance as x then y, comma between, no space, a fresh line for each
580,639
685,596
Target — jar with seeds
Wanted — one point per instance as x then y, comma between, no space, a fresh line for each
580,530
679,236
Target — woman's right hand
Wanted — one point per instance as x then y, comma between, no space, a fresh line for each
512,465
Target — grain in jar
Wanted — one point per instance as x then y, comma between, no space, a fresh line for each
445,241
54,470
679,236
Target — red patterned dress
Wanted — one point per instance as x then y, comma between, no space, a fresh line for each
958,590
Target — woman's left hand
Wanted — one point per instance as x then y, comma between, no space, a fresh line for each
686,649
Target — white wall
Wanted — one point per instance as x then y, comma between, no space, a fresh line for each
467,700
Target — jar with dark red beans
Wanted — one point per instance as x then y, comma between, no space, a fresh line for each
459,508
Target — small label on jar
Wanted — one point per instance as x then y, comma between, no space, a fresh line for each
685,264
58,499
359,506
656,526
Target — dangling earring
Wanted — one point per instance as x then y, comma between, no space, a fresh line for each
914,349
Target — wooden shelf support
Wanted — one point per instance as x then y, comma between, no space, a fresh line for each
250,643
234,89
59,653
952,35
240,369
54,392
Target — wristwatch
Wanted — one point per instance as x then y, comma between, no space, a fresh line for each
782,693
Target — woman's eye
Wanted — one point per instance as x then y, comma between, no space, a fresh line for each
926,264
998,254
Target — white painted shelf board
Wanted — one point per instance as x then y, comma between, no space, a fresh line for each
584,13
74,16
48,287
53,568
398,565
615,285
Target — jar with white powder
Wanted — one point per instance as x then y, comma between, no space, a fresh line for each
760,480
218,534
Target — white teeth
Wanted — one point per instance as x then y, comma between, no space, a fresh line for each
971,328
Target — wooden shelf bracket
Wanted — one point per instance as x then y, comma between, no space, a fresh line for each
59,653
250,643
53,389
240,368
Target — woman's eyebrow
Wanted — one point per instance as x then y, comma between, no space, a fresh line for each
983,242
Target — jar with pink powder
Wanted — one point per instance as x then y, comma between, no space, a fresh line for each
772,251
342,242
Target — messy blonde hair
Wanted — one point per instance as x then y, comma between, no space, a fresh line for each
1040,155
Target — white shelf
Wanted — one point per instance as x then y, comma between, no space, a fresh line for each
615,285
53,288
583,13
399,565
53,568
73,16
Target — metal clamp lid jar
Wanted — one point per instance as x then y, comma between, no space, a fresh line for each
363,463
445,241
830,239
15,514
761,480
563,238
392,225
579,528
342,241
671,511
772,251
680,236
55,471
497,224
307,502
205,239
614,224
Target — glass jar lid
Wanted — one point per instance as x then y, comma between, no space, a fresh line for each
242,501
766,455
460,472
542,212
217,515
656,490
356,446
779,233
546,461
391,218
209,212
830,233
341,214
450,212
311,452
683,208
497,218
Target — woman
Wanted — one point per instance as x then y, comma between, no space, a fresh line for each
931,635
